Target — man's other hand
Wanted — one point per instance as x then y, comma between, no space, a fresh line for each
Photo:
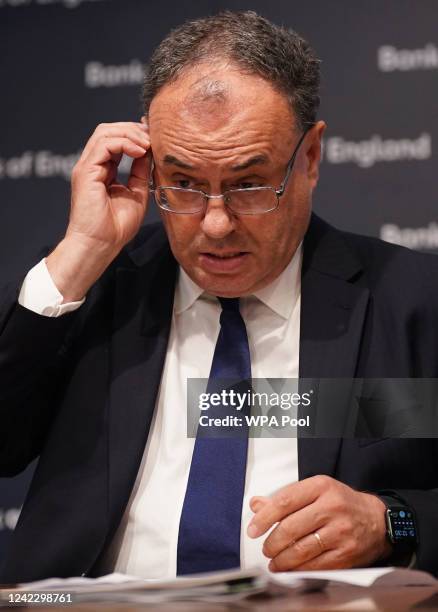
320,523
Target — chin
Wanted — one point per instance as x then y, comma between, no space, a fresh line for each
224,287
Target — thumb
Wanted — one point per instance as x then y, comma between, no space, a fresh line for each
257,502
138,181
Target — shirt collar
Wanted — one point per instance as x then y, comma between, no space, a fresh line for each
280,295
187,292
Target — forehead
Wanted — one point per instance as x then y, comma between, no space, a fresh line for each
221,110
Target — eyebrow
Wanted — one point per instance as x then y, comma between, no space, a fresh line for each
252,161
174,161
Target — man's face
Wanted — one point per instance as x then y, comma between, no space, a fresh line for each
217,129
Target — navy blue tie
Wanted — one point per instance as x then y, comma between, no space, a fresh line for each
209,530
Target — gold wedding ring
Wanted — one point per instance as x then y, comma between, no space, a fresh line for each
318,539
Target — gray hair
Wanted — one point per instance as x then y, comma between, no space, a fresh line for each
248,40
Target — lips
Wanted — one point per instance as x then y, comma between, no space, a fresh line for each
225,255
223,262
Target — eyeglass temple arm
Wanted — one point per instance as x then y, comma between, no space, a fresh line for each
151,176
290,163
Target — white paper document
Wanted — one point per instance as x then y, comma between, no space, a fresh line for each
218,586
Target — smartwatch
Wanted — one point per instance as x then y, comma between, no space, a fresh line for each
401,526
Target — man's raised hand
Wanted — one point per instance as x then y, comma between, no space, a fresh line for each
104,214
103,210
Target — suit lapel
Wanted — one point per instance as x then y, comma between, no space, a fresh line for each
141,326
333,310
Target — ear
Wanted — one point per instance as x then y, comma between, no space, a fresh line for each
144,120
313,152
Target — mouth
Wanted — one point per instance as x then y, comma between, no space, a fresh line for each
224,262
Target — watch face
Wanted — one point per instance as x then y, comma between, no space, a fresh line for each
402,524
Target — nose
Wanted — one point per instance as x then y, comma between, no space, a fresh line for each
218,221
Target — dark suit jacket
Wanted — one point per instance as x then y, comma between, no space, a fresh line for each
79,391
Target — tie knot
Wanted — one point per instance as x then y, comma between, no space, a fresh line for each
229,304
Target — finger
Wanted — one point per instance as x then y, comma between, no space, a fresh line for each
287,500
134,131
109,171
302,551
292,528
110,149
138,181
137,136
110,129
327,561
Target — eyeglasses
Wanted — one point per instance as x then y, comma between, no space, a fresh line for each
244,201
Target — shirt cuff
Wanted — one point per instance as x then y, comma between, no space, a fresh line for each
40,294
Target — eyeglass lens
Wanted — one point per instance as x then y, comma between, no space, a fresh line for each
255,200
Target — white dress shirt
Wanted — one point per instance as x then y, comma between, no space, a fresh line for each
146,541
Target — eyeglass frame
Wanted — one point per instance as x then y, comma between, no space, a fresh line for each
278,192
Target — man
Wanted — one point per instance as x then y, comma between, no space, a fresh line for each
231,147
